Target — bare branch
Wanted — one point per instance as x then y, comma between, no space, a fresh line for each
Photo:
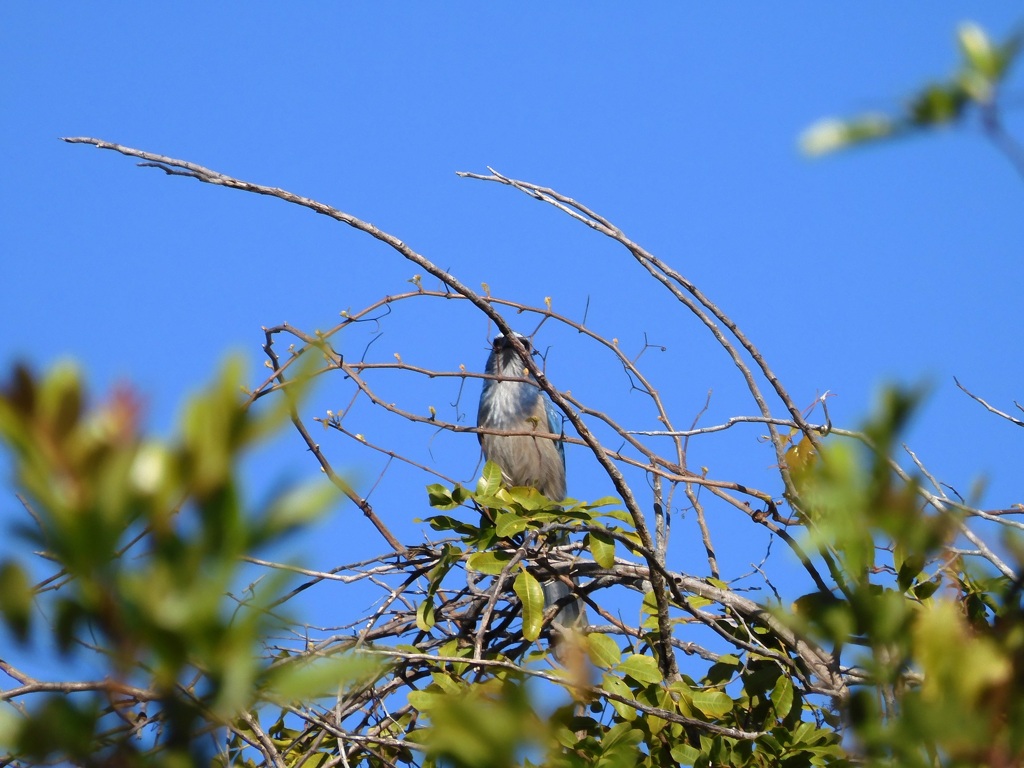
988,407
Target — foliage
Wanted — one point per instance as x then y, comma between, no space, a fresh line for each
902,645
633,714
974,88
147,536
939,640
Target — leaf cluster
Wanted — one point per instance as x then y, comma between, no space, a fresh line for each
984,65
148,538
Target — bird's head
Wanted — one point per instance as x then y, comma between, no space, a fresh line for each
505,360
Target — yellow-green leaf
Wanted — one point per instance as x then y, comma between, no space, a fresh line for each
712,703
444,682
490,480
978,49
649,604
684,754
530,498
618,686
15,598
424,701
602,547
425,616
603,651
531,595
509,524
655,724
643,669
490,563
831,134
621,735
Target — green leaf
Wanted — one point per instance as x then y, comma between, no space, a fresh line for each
531,595
782,696
618,686
15,598
662,699
461,494
649,605
602,547
490,480
620,747
830,135
616,514
682,692
450,555
938,105
530,499
981,55
926,589
444,682
603,651
448,523
425,615
908,569
490,563
440,497
509,524
684,754
712,703
424,701
643,669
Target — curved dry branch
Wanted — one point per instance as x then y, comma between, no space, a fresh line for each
670,278
986,406
176,167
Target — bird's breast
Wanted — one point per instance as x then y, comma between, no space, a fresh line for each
507,404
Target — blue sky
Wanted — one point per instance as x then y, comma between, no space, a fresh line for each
678,122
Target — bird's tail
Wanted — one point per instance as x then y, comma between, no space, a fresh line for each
572,613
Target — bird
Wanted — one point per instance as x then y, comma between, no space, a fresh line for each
513,402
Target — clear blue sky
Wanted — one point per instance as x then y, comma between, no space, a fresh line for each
679,122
